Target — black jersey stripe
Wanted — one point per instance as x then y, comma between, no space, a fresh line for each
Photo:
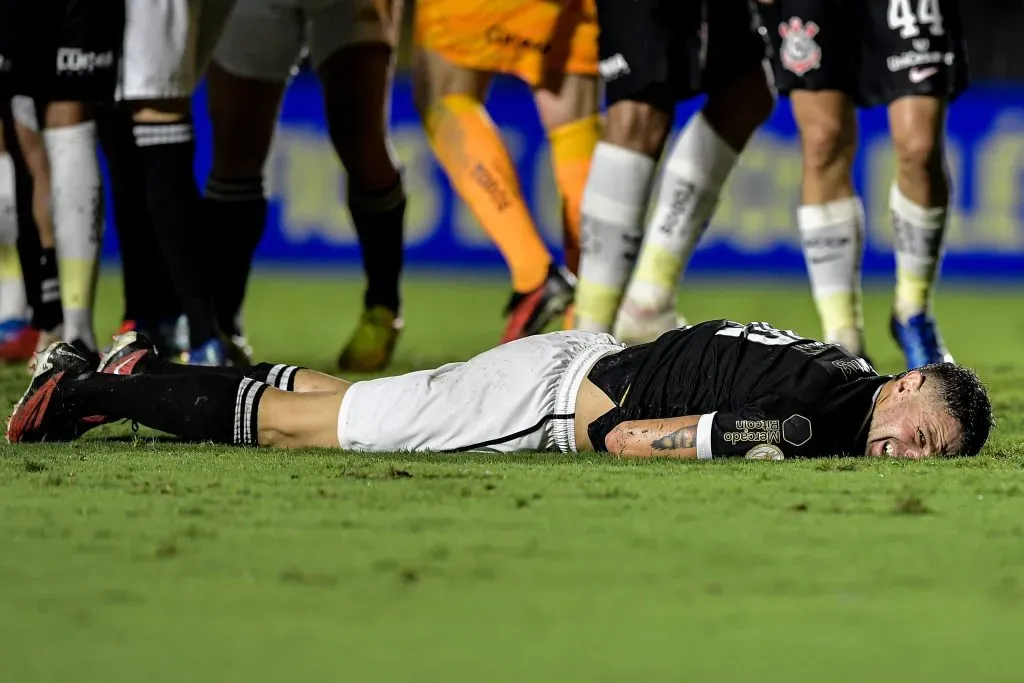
516,435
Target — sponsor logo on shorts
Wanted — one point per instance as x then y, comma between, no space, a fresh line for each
911,59
755,431
497,35
800,53
765,451
917,75
74,60
614,67
796,430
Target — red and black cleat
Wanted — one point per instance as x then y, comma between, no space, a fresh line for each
529,313
133,352
40,415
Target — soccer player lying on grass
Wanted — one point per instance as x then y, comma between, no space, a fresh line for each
717,389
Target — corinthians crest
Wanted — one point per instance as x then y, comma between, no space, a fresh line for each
800,52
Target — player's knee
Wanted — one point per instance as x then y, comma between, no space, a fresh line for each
917,151
825,143
637,126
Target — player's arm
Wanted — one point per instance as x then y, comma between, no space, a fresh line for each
672,437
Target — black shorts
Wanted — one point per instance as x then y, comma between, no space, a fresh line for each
61,50
682,47
876,51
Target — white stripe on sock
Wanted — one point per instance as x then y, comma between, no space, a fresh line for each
243,387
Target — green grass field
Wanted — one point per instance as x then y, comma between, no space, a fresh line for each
126,558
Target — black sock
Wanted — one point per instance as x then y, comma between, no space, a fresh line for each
168,151
275,375
49,313
195,406
235,212
38,265
379,218
149,294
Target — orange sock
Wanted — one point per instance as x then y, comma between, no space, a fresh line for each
572,146
469,147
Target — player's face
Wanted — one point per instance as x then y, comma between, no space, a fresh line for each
910,421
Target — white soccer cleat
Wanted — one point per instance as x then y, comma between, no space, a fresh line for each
637,325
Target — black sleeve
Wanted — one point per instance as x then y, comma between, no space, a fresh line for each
759,434
599,428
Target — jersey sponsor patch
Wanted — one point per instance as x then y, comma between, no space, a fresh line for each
800,52
765,451
796,430
749,431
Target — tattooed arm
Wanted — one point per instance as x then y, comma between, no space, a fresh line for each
674,437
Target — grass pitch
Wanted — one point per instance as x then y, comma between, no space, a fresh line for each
127,558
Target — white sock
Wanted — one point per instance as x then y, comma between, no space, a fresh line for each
78,221
13,305
832,236
697,167
613,207
918,231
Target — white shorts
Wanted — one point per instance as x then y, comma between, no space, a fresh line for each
265,39
519,396
167,45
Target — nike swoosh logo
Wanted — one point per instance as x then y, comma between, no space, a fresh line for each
918,75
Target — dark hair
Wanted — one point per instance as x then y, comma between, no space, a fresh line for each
966,400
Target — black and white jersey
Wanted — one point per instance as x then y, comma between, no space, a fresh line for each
761,392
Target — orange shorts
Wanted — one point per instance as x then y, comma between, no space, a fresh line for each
523,38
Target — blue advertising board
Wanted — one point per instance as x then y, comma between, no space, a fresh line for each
753,232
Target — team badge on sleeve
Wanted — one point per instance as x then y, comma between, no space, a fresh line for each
800,53
765,451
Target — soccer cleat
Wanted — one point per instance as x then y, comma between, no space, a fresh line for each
18,341
919,338
36,416
529,313
210,354
86,351
132,352
636,325
239,351
372,342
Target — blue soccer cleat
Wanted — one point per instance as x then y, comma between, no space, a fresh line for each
211,354
919,338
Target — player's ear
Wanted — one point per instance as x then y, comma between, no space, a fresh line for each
910,382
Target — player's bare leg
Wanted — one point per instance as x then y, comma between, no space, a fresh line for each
48,316
568,106
696,169
918,201
69,136
358,115
163,134
831,215
614,204
66,399
243,112
469,147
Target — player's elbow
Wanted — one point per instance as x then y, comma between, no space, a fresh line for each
616,441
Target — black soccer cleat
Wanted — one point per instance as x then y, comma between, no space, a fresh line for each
529,313
37,416
132,353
